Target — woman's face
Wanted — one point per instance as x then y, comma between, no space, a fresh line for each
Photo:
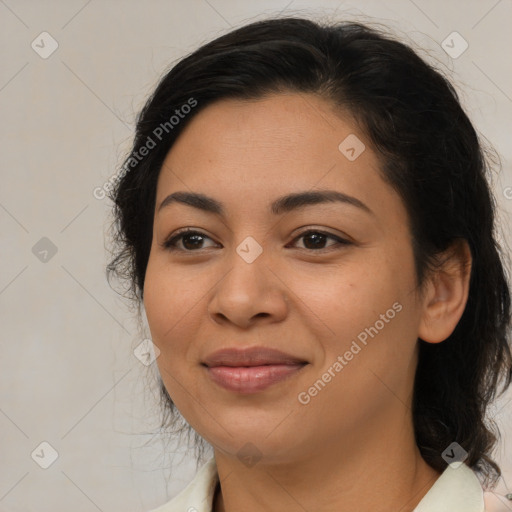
330,283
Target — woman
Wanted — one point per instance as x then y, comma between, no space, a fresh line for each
306,220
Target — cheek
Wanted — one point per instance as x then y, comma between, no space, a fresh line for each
370,311
166,306
173,301
353,298
164,311
168,295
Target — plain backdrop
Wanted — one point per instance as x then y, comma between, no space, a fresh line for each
68,373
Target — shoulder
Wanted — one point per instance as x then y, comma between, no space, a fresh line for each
198,495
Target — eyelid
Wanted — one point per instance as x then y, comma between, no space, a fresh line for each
319,229
169,243
171,239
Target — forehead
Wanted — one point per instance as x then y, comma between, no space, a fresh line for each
288,127
248,152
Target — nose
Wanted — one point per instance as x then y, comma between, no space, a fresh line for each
249,293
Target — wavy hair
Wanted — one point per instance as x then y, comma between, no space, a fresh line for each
429,153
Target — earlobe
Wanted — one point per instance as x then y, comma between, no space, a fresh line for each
447,293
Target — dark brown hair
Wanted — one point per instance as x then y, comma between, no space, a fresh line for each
430,154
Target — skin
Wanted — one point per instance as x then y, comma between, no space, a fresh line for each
352,446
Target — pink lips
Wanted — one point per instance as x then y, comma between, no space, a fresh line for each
251,370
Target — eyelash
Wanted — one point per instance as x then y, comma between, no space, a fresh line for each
170,244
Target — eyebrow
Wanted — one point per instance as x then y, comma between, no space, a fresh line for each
281,205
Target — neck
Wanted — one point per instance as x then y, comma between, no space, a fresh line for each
375,470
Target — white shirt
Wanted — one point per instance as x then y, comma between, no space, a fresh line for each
456,490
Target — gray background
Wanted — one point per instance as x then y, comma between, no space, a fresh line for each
68,374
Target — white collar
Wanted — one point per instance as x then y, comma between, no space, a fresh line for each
456,490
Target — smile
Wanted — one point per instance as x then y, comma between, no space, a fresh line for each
252,379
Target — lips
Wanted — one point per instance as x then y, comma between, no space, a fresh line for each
251,370
256,356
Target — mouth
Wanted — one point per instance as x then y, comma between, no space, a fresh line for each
251,370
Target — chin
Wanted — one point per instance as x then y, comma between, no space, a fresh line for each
260,441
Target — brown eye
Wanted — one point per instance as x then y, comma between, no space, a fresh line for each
191,241
314,240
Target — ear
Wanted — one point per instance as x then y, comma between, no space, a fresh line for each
446,294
